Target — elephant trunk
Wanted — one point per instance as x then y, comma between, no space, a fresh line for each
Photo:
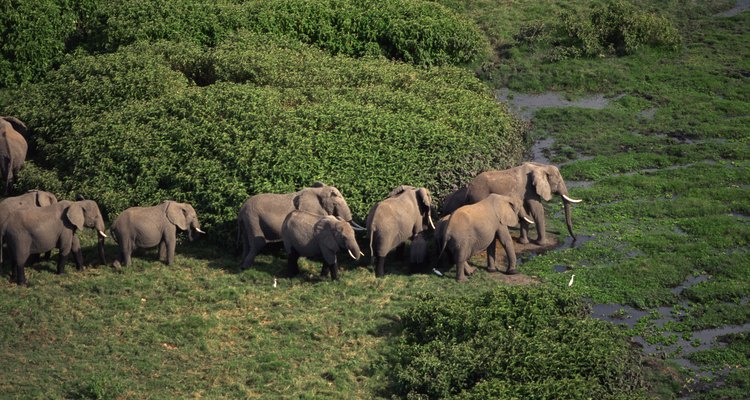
102,259
353,249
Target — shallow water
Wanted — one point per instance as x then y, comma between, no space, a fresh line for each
741,6
526,105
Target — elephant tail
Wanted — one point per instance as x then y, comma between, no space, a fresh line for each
372,255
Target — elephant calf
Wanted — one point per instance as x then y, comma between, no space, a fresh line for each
475,227
39,229
145,227
311,235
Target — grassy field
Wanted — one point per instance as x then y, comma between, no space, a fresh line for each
666,183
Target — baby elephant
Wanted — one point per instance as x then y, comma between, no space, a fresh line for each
145,227
312,235
473,228
39,229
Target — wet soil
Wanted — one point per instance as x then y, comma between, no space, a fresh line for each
741,6
525,105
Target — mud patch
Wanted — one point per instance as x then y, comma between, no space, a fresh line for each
514,280
740,6
526,105
540,151
579,184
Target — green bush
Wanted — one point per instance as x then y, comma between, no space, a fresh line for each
614,28
32,37
521,342
133,128
418,32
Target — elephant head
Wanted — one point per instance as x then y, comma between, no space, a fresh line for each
184,217
324,200
85,213
509,216
546,181
335,234
423,198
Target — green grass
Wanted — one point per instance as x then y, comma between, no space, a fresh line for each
669,200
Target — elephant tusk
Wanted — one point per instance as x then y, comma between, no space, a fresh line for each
199,231
432,225
361,254
102,234
570,200
352,254
528,220
356,226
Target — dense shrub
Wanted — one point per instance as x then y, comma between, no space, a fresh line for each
32,37
521,342
415,31
613,28
132,128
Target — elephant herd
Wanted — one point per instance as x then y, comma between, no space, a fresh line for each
315,222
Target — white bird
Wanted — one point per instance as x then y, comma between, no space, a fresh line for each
571,280
274,282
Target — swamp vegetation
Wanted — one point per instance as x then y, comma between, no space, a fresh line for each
126,114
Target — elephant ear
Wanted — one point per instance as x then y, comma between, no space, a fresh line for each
423,196
176,215
74,215
19,126
541,183
43,199
309,201
327,236
507,210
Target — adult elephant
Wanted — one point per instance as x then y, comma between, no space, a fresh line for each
37,230
394,220
532,182
32,198
13,149
144,227
474,227
312,235
261,216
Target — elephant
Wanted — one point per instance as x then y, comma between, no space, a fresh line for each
39,229
475,227
394,220
13,148
312,235
145,227
262,215
32,198
531,182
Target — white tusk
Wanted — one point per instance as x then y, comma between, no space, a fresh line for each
571,200
528,220
102,234
199,231
431,224
352,254
361,254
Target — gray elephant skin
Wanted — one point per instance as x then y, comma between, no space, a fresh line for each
532,182
261,216
146,227
396,219
37,230
13,149
314,236
32,198
473,228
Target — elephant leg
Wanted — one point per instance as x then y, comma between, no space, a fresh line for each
537,213
524,237
76,249
334,270
461,267
162,251
491,258
291,262
507,241
19,258
380,266
123,257
325,270
171,244
258,243
61,259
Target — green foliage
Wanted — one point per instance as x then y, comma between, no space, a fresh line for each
130,128
510,343
32,37
613,28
